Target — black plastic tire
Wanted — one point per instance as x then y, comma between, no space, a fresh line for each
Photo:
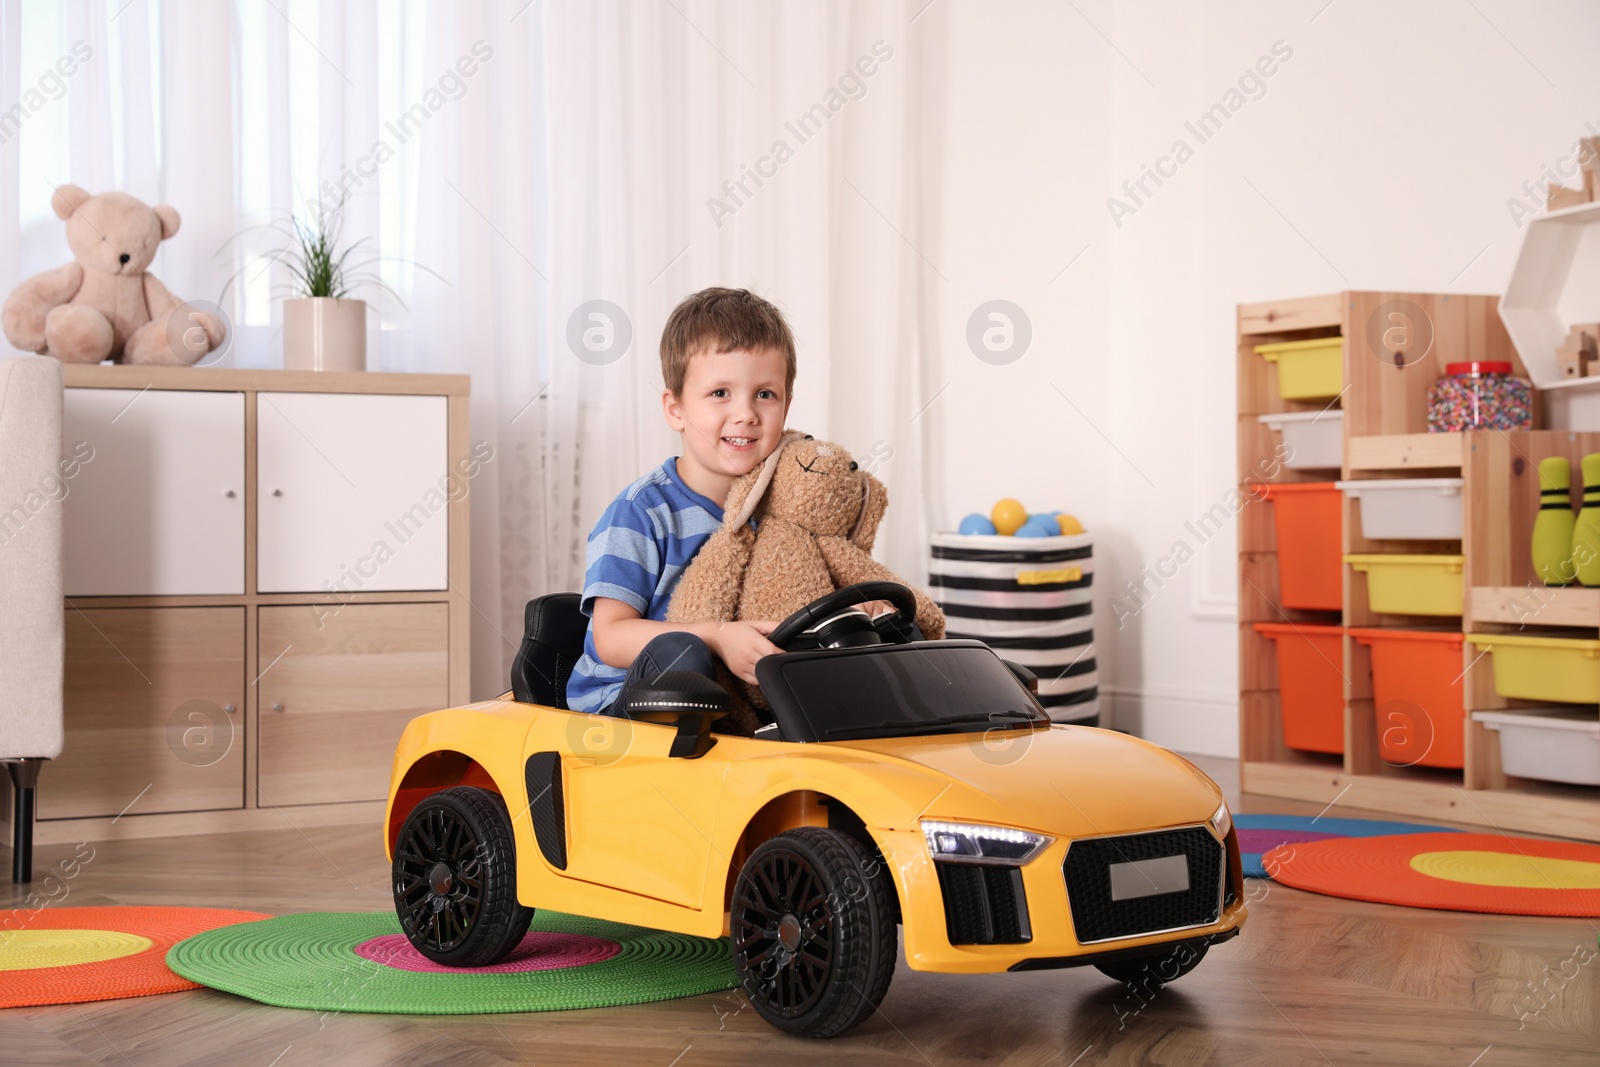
813,931
1153,972
455,879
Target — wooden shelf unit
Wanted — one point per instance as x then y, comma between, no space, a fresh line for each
1384,401
316,682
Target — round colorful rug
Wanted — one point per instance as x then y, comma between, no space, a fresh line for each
54,955
359,961
1260,834
1449,871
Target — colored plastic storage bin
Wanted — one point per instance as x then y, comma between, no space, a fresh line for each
1416,509
1565,669
1307,370
1416,692
1310,684
1411,585
1554,744
1306,516
1313,439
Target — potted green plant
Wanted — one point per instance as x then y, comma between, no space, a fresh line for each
324,324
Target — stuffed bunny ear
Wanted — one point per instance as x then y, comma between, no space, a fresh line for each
744,496
875,501
67,199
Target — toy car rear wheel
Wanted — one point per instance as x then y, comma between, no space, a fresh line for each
813,931
1153,972
455,879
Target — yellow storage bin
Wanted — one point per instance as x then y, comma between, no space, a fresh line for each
1411,585
1307,370
1565,669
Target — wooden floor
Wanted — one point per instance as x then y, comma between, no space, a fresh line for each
1313,980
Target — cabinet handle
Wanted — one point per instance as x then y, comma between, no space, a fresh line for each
277,492
277,707
229,494
229,708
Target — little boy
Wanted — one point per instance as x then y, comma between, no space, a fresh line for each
728,362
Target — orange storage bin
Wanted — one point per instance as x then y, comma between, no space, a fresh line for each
1310,684
1307,518
1416,690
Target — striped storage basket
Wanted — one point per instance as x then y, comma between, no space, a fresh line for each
1028,599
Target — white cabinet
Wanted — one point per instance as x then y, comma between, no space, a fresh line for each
352,493
158,507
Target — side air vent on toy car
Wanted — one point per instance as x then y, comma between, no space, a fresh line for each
545,805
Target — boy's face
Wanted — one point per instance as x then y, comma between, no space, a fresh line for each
732,410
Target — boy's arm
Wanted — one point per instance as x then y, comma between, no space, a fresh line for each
620,634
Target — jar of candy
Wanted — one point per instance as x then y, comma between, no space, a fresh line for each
1479,396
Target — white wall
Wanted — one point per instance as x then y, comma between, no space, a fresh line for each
1381,155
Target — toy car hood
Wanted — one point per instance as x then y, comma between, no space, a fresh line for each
1068,781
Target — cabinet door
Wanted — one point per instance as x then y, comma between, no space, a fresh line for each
157,507
154,718
338,685
352,493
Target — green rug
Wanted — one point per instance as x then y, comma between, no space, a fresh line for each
310,961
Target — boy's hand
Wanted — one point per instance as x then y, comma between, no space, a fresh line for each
740,643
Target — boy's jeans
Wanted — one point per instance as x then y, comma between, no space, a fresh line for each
671,651
679,651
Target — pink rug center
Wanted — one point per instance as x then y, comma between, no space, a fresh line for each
539,951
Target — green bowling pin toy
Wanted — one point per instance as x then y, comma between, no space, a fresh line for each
1552,528
1586,531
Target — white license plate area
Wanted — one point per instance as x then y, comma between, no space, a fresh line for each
1149,878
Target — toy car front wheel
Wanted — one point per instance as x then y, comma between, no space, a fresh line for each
455,879
1153,972
813,931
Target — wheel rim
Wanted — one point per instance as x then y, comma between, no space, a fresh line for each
783,931
438,879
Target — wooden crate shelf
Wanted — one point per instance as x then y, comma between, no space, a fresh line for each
1384,399
1404,452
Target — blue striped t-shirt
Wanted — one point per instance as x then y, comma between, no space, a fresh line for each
637,552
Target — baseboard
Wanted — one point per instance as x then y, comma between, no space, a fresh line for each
1187,720
194,823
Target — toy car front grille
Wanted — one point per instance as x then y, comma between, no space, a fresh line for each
984,905
1096,916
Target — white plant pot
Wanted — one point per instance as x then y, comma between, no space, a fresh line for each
320,333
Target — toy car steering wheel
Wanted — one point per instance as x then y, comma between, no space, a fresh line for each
825,607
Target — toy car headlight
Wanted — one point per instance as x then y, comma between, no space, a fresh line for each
1222,822
954,842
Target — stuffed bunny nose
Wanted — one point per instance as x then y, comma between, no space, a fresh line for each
124,258
853,464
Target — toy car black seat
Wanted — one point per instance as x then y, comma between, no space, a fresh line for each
552,644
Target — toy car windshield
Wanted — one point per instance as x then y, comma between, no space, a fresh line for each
929,687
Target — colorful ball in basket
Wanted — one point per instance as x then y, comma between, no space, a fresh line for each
1068,524
1008,515
976,524
1043,526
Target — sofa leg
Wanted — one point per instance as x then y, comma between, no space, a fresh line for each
24,780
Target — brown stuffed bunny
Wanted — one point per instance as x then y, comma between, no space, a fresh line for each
104,304
817,516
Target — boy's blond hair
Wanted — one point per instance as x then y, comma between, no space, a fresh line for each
723,320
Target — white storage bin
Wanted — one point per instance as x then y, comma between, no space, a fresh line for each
1572,404
1554,744
1315,438
1408,509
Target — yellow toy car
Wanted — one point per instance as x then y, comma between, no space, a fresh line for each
907,782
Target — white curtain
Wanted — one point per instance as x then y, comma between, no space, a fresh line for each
511,164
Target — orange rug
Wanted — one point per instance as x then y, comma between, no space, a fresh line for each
1449,871
55,955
